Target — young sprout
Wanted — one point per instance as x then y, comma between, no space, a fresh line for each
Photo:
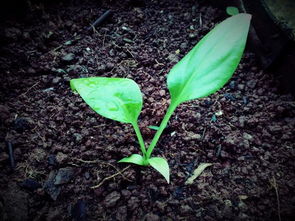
203,71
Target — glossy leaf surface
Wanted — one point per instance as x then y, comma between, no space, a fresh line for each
114,98
161,165
134,158
211,63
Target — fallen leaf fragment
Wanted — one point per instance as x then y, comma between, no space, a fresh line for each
197,172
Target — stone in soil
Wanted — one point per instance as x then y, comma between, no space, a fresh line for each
112,198
61,157
78,137
151,217
251,84
68,57
121,213
52,190
56,80
247,136
52,160
173,58
64,175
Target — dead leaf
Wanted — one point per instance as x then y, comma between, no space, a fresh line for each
197,172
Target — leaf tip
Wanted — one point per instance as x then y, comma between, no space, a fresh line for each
162,166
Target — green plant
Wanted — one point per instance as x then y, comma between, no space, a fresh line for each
203,71
230,10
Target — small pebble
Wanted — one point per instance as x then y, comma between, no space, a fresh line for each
241,87
87,175
232,85
52,190
56,80
112,199
68,57
78,137
64,175
51,160
193,35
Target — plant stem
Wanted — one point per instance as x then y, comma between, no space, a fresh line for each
140,139
163,125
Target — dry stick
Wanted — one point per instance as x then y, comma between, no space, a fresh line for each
23,94
98,161
95,161
274,184
97,22
100,20
203,134
110,177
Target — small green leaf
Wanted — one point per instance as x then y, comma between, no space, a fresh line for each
232,10
114,98
154,127
134,158
161,165
211,63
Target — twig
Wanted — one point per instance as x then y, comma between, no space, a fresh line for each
99,20
274,184
110,177
98,161
130,53
23,94
104,38
79,36
203,134
94,30
73,164
86,161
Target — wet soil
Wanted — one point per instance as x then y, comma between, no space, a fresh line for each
66,155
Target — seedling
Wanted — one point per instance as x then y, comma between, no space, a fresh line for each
203,71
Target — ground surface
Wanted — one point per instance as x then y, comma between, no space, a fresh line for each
62,148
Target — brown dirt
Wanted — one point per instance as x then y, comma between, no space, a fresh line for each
246,129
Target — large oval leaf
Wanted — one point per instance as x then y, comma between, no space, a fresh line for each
211,63
114,98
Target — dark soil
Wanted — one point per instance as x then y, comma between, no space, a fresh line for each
62,149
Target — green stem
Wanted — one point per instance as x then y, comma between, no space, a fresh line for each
140,139
163,125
